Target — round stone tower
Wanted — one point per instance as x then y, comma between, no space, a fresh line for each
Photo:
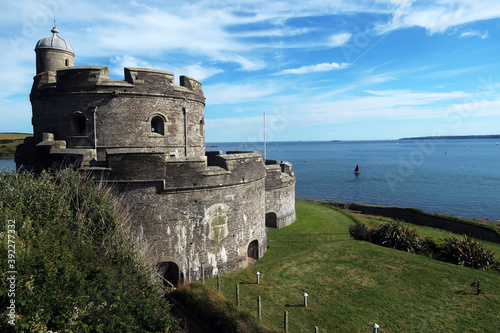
53,53
202,213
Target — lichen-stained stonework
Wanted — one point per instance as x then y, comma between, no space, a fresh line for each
145,135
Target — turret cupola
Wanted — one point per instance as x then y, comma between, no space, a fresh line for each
53,53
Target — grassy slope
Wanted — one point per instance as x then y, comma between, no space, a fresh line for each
79,269
9,142
353,284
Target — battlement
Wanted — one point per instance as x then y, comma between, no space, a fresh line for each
184,173
279,174
137,81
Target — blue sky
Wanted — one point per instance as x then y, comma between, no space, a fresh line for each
322,70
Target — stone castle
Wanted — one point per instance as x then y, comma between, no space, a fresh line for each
146,136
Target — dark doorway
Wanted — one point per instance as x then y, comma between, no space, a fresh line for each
253,250
79,124
170,272
271,220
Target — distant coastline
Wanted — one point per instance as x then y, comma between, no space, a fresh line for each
9,142
445,137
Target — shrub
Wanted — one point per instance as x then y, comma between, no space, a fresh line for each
360,232
433,247
397,236
469,253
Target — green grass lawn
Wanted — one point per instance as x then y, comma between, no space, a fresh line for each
353,284
9,142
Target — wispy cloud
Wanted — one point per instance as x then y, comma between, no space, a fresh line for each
440,15
324,67
226,93
474,33
338,39
127,61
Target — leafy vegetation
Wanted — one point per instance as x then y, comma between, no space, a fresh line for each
469,253
397,235
79,268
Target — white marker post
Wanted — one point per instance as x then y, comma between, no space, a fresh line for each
305,299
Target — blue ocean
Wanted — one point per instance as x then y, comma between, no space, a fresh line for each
454,176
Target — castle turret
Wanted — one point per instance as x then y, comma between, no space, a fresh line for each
53,53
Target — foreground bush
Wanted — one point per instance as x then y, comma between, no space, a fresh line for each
464,252
217,311
469,253
360,232
396,235
78,266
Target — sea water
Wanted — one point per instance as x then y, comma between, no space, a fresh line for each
454,177
7,165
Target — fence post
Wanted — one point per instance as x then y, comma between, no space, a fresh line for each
203,273
218,282
259,308
285,321
238,295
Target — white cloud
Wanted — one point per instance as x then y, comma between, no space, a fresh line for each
377,105
225,93
338,39
474,33
324,67
128,61
198,71
440,15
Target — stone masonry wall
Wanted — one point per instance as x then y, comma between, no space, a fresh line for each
280,191
121,111
211,227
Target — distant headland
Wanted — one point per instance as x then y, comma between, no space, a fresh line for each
9,142
491,136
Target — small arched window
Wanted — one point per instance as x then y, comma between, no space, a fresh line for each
202,127
158,125
79,124
66,62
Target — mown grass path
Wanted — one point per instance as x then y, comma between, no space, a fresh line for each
353,284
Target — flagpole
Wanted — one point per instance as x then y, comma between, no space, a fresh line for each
265,136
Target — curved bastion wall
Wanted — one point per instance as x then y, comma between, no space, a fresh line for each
195,211
280,194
